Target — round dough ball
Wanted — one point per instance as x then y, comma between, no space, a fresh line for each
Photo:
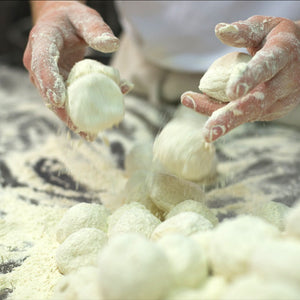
293,221
273,212
226,68
133,268
95,101
278,260
187,260
233,242
185,223
132,218
251,287
77,285
195,206
166,190
88,66
80,249
181,149
80,216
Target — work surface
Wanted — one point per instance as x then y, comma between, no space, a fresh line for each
44,170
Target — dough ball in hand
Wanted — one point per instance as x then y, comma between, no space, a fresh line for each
226,68
95,101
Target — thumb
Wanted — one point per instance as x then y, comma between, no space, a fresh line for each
92,29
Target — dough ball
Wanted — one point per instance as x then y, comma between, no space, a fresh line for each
136,190
185,223
139,158
293,221
278,260
195,206
88,66
273,212
226,68
251,287
80,249
132,218
233,241
166,190
77,285
181,149
187,260
95,101
133,268
80,216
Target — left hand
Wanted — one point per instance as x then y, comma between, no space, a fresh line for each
269,87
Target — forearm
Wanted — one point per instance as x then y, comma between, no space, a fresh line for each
38,6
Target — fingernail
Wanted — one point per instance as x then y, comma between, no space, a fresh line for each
214,133
188,101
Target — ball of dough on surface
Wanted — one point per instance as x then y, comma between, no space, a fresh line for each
133,268
233,241
132,219
187,260
185,223
194,206
226,68
252,287
181,149
95,102
166,190
278,259
80,216
293,221
78,285
273,212
80,249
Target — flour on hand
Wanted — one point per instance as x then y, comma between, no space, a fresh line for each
95,101
222,71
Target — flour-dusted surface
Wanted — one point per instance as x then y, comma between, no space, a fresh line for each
43,173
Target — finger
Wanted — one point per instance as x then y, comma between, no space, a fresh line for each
263,66
247,109
91,27
126,86
281,107
200,103
246,34
44,66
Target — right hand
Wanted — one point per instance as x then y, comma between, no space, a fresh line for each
58,40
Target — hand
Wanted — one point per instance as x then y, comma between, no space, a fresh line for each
58,40
269,87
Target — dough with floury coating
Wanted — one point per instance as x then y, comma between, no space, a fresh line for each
95,101
223,70
181,149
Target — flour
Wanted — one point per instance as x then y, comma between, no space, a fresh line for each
36,276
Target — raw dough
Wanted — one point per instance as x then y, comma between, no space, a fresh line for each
187,261
95,101
226,68
180,148
82,215
80,249
133,268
